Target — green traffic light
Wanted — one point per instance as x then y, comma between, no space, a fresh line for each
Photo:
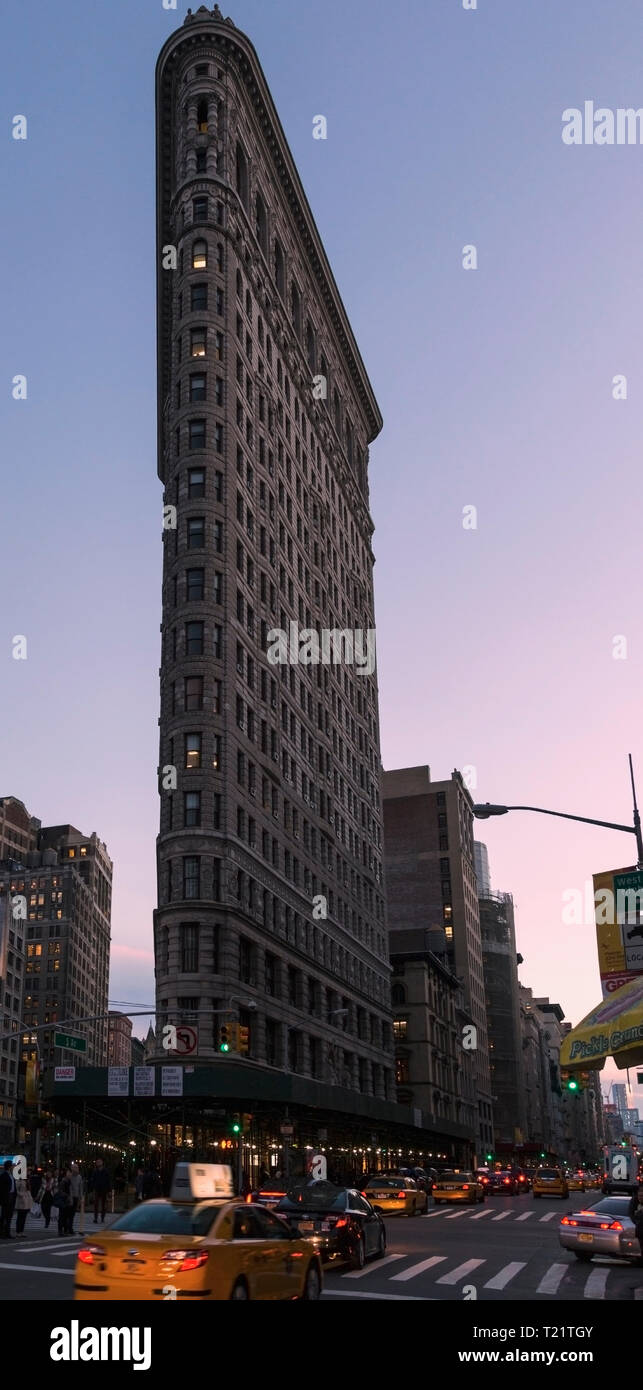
236,1129
572,1085
225,1047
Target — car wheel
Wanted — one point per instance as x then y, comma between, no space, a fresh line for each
312,1284
381,1249
358,1257
240,1290
583,1256
413,1210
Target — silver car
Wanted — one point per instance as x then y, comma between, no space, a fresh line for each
602,1229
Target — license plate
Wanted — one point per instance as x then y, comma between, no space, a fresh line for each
326,1226
133,1266
450,1187
588,1239
306,1225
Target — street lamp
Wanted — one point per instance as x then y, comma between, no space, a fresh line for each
483,812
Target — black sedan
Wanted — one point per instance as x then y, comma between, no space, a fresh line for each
339,1221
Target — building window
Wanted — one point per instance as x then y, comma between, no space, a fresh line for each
198,338
192,808
202,116
201,161
196,482
280,269
199,209
193,693
198,386
271,1042
216,811
189,948
245,960
271,974
402,1076
310,345
194,639
192,877
192,751
242,176
197,434
199,296
295,308
196,532
261,224
444,842
400,1028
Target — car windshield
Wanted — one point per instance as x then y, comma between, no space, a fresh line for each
273,1185
171,1219
322,1196
612,1206
547,1173
457,1177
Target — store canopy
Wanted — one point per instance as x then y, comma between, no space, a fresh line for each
613,1029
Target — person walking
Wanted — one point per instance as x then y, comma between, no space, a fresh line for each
138,1185
77,1192
24,1203
151,1183
63,1201
8,1196
46,1197
100,1185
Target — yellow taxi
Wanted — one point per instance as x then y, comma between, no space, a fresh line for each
395,1194
196,1246
575,1182
550,1182
458,1186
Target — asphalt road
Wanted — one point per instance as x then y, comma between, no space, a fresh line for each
506,1249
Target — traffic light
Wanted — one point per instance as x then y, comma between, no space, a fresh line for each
569,1081
236,1124
224,1037
489,1158
243,1035
246,1121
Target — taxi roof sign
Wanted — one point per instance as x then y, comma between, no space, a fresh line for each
201,1181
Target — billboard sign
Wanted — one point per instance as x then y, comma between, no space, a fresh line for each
118,1081
618,909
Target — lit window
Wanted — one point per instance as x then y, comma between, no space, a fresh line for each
400,1028
198,339
199,255
192,750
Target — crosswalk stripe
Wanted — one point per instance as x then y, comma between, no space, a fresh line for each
501,1279
525,1216
460,1273
595,1286
551,1280
429,1214
51,1246
453,1215
38,1269
371,1268
548,1216
419,1268
502,1216
479,1214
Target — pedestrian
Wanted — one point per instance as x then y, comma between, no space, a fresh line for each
77,1193
35,1183
46,1197
7,1198
635,1213
138,1185
151,1183
100,1184
63,1201
264,1176
24,1203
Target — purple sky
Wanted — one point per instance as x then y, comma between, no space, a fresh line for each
494,645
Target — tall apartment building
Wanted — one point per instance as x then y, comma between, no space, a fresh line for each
498,933
119,1040
18,829
432,889
270,887
55,905
481,860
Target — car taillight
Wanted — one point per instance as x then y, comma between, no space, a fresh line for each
401,1194
249,1197
614,1226
86,1255
187,1259
343,1221
465,1187
506,1180
568,1221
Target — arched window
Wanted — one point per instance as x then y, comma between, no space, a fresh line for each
242,176
202,116
349,440
261,224
199,255
398,994
295,308
239,285
280,269
336,411
310,346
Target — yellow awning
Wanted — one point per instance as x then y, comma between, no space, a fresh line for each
613,1029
